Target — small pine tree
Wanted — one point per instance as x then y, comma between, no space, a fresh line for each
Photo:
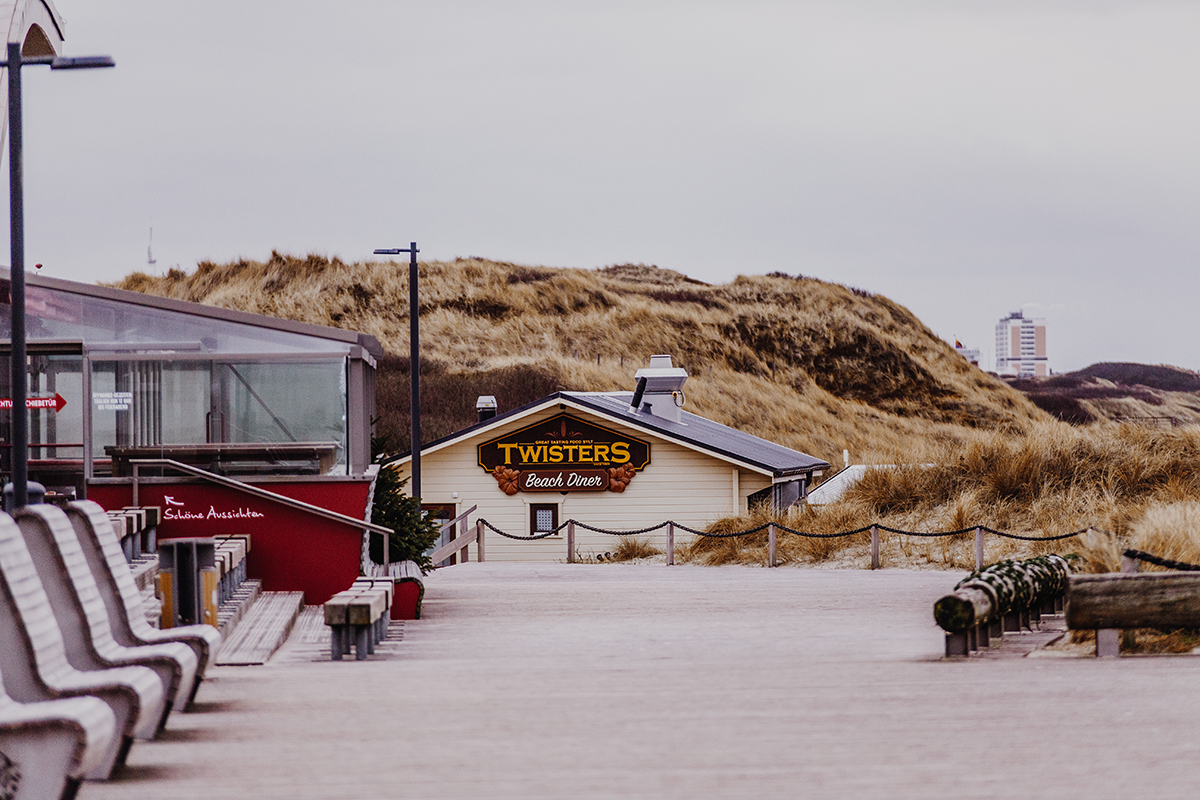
412,532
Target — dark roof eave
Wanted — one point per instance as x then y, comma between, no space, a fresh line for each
364,340
776,472
579,400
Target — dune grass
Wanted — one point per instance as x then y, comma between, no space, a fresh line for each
1137,487
813,365
810,364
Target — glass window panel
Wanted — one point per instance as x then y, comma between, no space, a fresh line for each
149,402
286,402
55,434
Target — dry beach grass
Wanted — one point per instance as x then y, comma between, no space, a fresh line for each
814,365
811,364
1139,485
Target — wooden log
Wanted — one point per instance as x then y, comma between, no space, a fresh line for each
1002,588
1149,600
964,609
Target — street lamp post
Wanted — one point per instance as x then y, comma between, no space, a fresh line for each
16,188
414,360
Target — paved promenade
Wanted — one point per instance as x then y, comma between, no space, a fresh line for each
613,681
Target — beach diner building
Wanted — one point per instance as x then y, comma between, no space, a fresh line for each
610,460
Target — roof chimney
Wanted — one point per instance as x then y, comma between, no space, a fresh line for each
485,406
663,392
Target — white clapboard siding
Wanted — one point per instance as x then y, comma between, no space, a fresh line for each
679,483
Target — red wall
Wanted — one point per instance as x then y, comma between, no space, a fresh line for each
290,551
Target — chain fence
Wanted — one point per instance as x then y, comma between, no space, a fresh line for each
805,534
1150,558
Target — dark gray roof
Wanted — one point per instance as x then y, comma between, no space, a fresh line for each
705,434
721,440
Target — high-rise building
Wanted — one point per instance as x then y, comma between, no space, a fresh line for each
1021,346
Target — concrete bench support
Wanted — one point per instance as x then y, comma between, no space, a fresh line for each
359,615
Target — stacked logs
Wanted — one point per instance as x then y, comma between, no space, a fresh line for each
999,589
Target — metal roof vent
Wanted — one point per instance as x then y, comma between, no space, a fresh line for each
485,406
660,389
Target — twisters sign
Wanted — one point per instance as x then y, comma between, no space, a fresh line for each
564,454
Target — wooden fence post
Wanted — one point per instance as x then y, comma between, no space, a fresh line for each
770,544
979,548
462,533
874,547
479,538
670,543
571,541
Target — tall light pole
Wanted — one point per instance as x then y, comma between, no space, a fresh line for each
16,196
414,360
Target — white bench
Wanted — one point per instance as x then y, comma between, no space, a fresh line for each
81,615
46,748
34,664
120,594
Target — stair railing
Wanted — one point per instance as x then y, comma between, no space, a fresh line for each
265,494
460,541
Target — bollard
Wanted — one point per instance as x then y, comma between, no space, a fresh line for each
770,544
874,547
670,543
979,548
571,541
479,538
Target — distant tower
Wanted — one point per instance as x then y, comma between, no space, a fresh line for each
1021,346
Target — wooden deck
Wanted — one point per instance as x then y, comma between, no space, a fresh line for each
613,681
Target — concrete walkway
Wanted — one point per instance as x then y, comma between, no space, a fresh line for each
612,681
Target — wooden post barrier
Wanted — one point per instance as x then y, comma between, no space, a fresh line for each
479,539
874,547
979,548
985,603
1119,601
770,544
571,541
670,543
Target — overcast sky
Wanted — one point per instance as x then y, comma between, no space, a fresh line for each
965,158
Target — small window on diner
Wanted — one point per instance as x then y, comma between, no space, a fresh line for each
543,518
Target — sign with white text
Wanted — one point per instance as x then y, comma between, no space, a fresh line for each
564,454
58,402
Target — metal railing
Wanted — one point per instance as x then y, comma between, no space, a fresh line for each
265,494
